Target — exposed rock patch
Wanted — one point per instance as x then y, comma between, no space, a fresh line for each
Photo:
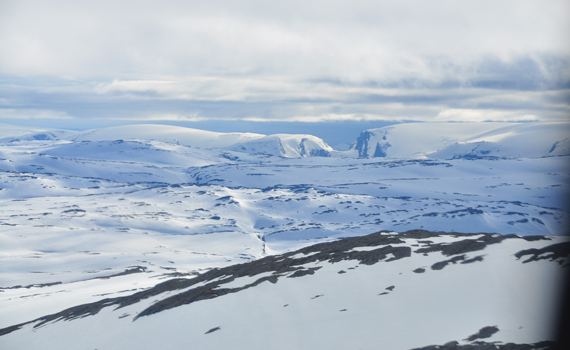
472,260
485,332
552,252
213,330
464,246
440,265
543,345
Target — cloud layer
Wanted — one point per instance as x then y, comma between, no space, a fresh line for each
298,60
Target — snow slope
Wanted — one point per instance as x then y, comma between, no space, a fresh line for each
524,140
449,140
12,132
387,290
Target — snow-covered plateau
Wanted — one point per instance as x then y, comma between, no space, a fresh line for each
152,236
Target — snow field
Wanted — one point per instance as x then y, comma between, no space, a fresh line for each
82,209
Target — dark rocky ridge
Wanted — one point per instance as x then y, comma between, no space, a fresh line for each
290,265
556,252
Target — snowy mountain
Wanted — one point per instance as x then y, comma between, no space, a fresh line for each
165,133
284,145
163,237
411,140
457,140
280,145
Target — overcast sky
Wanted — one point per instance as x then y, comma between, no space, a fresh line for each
304,61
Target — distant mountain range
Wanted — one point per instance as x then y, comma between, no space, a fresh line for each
464,140
411,140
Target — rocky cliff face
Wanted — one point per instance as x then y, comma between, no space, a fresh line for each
372,143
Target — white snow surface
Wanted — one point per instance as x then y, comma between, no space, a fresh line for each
165,133
167,202
458,140
12,132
